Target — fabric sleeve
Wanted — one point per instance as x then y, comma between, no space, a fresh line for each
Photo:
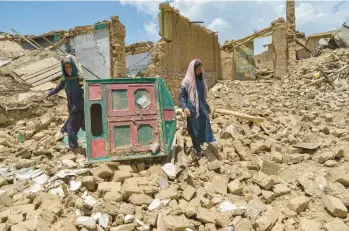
183,97
57,89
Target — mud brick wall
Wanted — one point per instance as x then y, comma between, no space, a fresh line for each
117,34
279,37
291,32
182,42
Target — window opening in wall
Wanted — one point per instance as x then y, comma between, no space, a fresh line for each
96,120
263,52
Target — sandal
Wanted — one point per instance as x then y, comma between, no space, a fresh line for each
198,154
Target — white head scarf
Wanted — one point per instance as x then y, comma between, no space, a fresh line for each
189,83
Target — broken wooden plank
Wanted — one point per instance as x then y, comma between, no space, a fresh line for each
257,120
34,67
326,76
53,77
36,47
310,146
304,46
27,77
44,76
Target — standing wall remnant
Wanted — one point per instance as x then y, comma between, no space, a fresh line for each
117,36
291,32
279,38
182,42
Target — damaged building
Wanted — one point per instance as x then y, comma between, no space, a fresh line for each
279,163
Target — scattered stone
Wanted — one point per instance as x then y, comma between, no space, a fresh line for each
326,156
121,176
235,187
205,215
127,227
269,168
89,183
280,190
3,182
343,179
140,199
276,157
336,225
309,225
335,206
109,187
219,184
263,180
330,163
298,204
188,192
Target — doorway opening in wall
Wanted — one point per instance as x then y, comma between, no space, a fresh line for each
263,54
96,120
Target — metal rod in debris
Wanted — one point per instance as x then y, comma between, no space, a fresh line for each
196,22
26,39
68,54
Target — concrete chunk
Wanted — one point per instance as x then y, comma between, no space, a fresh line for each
335,206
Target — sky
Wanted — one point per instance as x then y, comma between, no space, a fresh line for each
233,19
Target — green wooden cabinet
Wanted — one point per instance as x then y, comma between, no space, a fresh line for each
128,118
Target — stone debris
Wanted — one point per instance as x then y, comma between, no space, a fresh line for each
273,176
335,206
298,204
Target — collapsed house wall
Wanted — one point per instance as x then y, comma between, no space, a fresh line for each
279,38
291,32
182,42
99,47
117,37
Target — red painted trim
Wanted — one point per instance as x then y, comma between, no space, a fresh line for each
95,92
98,148
169,115
132,109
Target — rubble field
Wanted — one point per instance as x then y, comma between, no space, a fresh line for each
289,173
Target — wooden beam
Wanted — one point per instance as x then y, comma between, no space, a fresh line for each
246,39
257,120
38,48
304,46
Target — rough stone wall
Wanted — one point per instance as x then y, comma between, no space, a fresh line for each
182,42
291,32
117,34
279,38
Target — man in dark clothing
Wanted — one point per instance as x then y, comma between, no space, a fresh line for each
73,85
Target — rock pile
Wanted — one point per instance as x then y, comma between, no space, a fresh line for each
288,173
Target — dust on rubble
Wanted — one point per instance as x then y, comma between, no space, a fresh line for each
288,173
